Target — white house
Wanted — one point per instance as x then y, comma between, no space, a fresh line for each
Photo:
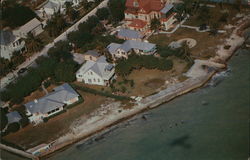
168,16
52,6
98,72
48,9
51,104
10,43
34,26
129,46
140,13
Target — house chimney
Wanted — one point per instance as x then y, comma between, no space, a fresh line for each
35,101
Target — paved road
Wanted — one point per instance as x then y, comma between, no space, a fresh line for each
12,76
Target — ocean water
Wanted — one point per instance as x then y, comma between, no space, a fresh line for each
211,123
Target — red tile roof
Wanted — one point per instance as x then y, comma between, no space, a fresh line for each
137,23
145,5
167,18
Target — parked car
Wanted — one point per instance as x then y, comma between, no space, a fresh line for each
22,70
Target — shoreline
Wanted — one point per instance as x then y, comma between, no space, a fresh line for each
152,101
148,104
105,119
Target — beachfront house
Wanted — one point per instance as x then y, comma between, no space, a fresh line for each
10,43
128,34
51,104
140,13
96,72
130,46
34,27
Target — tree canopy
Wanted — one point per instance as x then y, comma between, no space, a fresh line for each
13,127
125,66
56,25
155,24
117,8
3,118
16,15
65,72
59,66
103,13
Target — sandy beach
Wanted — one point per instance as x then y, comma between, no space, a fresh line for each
113,113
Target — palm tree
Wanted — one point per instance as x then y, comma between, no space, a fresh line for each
71,13
155,24
33,44
86,5
56,25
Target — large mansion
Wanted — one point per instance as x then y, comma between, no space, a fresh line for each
139,14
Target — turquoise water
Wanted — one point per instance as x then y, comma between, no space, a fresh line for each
211,123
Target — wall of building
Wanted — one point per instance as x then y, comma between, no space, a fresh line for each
169,22
90,77
71,101
7,51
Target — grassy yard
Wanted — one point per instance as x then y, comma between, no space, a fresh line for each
216,14
31,136
206,44
147,82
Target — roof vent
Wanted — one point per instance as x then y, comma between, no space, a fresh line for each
36,101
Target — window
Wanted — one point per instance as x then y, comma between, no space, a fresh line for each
79,75
98,80
89,80
136,4
94,80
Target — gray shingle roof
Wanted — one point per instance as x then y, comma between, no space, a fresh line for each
131,34
93,53
132,44
167,8
112,47
29,26
51,5
53,100
6,37
13,117
101,67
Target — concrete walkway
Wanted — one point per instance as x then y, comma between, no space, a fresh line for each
18,152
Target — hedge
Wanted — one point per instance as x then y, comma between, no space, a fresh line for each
96,92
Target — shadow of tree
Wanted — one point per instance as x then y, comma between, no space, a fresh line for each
181,141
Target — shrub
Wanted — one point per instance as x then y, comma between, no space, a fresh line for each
101,93
13,127
132,83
